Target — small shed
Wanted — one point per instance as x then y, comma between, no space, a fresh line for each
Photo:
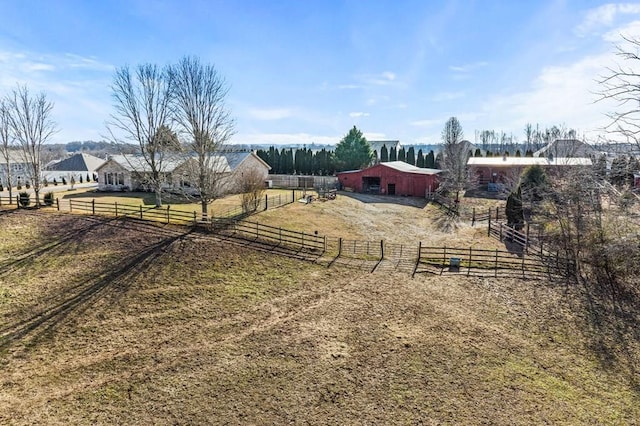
391,178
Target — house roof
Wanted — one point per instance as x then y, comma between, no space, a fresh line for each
15,157
77,163
566,148
225,162
377,145
527,161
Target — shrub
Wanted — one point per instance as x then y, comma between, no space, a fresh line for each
80,179
88,178
64,180
48,199
1,187
95,177
55,182
28,185
24,199
18,187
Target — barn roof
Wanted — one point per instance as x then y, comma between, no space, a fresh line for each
409,168
527,161
400,166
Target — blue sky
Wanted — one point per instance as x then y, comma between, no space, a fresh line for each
307,71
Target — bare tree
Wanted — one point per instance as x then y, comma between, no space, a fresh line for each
142,102
456,155
6,144
251,186
32,126
206,124
622,84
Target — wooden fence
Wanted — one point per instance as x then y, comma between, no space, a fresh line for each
483,262
414,259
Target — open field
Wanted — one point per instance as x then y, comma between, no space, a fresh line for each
117,321
398,220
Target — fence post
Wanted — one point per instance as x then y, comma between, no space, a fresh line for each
415,268
195,218
58,203
495,274
526,241
266,201
302,238
469,264
70,206
497,213
140,211
18,201
489,227
257,233
444,259
293,196
325,244
381,249
500,232
168,214
523,265
473,217
115,203
93,206
280,235
339,246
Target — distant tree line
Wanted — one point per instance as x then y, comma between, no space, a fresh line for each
304,161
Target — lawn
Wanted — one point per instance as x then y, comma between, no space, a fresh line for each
114,321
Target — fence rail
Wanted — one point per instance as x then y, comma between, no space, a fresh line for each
414,259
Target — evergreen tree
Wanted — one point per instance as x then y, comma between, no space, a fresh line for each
430,160
384,154
600,166
514,210
478,153
353,151
420,159
529,153
518,153
411,156
401,155
393,156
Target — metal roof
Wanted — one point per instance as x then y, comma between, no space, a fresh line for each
527,161
409,168
77,163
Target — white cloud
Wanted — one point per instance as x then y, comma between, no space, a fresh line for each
270,113
428,122
389,75
446,96
358,114
604,16
466,68
374,136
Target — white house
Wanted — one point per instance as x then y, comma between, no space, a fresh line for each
127,172
18,167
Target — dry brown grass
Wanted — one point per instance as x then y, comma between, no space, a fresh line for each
112,321
397,220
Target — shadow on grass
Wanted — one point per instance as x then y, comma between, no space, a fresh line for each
147,198
612,326
386,199
78,298
445,220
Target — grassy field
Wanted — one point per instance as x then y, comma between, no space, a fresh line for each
114,321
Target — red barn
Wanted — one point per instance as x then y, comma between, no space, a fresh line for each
392,178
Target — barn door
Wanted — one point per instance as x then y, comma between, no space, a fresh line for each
391,189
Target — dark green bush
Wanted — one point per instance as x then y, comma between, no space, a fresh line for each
48,199
24,199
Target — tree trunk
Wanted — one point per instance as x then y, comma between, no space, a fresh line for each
158,197
205,207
